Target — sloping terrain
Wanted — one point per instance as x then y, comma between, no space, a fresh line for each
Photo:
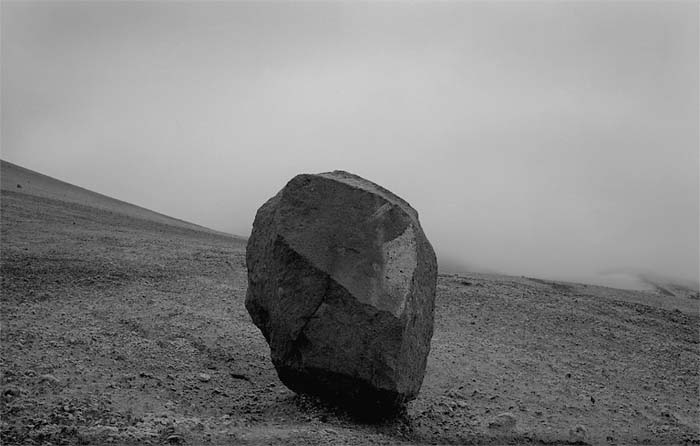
124,330
19,179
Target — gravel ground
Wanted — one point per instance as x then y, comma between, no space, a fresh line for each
122,330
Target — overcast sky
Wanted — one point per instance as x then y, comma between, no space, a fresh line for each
555,139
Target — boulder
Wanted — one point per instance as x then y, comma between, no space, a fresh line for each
341,283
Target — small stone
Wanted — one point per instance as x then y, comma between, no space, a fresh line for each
45,296
204,377
11,391
110,430
50,379
503,421
578,434
175,439
98,432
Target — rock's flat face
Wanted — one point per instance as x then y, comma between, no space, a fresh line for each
341,282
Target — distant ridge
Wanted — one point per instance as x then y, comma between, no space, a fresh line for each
21,180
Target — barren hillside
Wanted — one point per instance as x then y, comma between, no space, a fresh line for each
18,179
121,327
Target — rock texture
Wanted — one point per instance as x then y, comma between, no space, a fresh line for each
341,282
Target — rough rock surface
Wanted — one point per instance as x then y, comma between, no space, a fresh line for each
341,282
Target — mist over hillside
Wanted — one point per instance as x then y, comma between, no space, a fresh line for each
18,179
541,139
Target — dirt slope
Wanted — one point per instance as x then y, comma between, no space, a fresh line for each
130,331
18,179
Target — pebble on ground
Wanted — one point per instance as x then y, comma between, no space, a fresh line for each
503,421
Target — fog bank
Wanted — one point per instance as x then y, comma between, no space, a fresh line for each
543,139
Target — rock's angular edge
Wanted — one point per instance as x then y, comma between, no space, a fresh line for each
341,282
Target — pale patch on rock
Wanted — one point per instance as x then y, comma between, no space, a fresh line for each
400,262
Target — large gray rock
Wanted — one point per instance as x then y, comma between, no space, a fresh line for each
341,282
